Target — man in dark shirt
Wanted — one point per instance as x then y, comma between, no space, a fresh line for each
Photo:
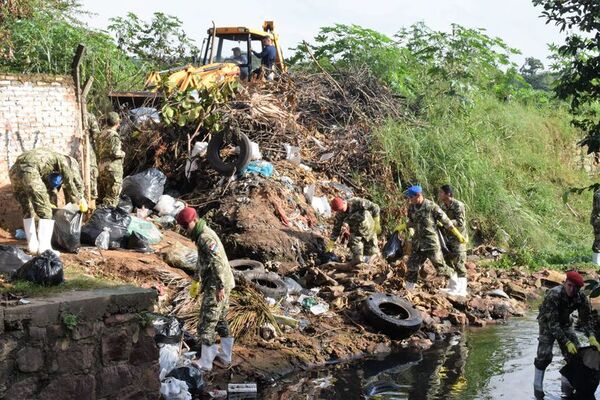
241,61
267,56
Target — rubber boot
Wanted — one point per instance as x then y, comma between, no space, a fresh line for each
565,388
461,287
538,383
226,353
32,241
596,259
45,235
207,357
452,285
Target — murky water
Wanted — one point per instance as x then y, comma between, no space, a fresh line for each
490,363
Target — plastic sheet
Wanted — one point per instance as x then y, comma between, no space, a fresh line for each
45,269
145,229
11,259
393,248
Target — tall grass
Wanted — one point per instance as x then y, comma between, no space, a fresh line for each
509,162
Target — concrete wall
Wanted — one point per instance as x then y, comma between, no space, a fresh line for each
107,353
35,111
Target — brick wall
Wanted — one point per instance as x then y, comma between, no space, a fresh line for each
35,111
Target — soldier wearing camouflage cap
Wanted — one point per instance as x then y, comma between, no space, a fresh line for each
110,162
216,278
35,176
555,324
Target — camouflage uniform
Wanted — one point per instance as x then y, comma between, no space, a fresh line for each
110,176
93,130
214,273
595,221
425,241
555,323
457,255
359,217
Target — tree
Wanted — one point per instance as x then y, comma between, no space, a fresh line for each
161,42
578,63
531,67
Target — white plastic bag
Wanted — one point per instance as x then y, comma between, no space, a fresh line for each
103,239
321,206
292,153
198,151
174,389
165,205
168,355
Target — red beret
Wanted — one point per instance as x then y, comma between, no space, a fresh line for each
186,216
575,277
337,204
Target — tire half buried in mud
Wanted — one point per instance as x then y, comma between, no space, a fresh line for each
213,153
245,266
392,315
268,284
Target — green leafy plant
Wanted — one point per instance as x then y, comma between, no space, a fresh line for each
70,321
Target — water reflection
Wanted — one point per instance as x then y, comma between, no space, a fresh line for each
486,364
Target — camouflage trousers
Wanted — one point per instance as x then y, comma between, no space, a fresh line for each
417,260
546,344
363,239
213,317
596,245
109,185
456,259
93,174
31,194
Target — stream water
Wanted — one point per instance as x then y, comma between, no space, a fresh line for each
490,363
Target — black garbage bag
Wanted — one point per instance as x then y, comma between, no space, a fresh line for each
116,219
190,375
125,204
145,188
67,230
11,259
45,269
169,330
329,256
583,372
139,243
191,341
393,248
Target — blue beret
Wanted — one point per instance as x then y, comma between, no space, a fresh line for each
413,191
55,180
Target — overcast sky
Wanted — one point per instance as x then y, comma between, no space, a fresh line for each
515,21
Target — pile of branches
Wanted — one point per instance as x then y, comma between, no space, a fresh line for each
248,312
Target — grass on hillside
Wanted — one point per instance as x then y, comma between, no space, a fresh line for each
510,163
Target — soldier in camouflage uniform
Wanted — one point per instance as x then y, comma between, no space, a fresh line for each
457,251
216,278
555,324
110,158
363,219
595,221
93,130
34,176
423,218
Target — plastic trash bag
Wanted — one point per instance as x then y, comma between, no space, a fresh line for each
190,375
169,330
165,205
293,286
174,389
45,269
182,257
393,248
139,243
329,256
125,204
103,240
263,168
144,228
11,259
67,229
168,356
145,188
115,219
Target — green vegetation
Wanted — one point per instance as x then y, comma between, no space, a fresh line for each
473,121
70,321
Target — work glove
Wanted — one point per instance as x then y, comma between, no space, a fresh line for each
411,232
594,342
571,348
377,221
330,245
194,289
401,227
458,235
83,206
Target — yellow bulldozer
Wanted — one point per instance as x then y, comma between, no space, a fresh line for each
219,63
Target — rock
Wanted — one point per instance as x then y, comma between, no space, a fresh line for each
24,389
144,350
459,319
116,347
113,379
497,293
515,291
75,359
30,359
70,387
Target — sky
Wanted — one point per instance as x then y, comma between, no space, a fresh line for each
517,22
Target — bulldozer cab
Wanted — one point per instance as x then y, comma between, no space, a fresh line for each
236,44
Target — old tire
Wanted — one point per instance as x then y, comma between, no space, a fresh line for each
245,266
213,153
268,284
392,315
